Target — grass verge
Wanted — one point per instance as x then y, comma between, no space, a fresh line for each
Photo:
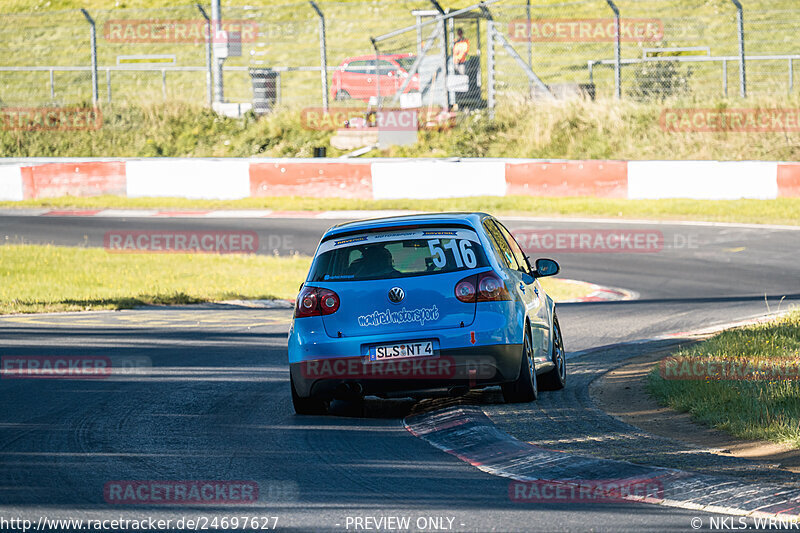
38,279
604,129
781,211
767,408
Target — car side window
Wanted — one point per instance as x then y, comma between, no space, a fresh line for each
357,67
386,67
519,255
500,245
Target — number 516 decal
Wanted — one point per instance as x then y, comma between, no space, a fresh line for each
462,252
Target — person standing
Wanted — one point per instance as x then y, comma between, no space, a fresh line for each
460,51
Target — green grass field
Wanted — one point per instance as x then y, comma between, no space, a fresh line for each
37,279
569,130
767,408
53,32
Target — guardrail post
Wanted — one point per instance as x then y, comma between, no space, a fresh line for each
216,20
377,73
740,24
93,43
490,67
323,52
52,86
617,50
445,50
725,77
530,43
209,71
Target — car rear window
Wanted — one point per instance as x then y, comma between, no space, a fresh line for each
397,254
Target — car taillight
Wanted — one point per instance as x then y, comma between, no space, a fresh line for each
465,290
485,287
491,288
314,301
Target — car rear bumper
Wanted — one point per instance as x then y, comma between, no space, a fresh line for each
471,367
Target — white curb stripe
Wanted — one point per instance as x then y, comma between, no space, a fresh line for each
10,183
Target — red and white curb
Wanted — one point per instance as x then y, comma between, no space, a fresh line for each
600,293
467,433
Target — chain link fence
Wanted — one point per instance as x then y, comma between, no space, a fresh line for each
666,48
516,51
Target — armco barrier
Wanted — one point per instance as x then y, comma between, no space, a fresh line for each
719,180
82,178
602,179
329,179
189,178
424,179
788,179
22,179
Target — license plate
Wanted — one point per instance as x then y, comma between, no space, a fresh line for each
401,350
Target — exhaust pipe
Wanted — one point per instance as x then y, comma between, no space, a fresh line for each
349,390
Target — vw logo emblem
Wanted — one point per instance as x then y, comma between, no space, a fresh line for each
396,295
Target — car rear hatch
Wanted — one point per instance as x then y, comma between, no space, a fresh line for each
429,302
398,281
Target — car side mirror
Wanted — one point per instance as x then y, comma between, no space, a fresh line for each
546,267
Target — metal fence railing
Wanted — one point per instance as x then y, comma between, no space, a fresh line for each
664,48
517,50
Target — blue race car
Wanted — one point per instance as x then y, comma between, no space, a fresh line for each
421,306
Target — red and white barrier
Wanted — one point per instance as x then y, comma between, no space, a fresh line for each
231,178
218,179
423,179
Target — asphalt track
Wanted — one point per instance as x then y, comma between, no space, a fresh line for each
215,403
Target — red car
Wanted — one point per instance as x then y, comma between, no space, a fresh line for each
355,77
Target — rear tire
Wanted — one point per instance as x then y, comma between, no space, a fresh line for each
307,406
525,388
556,379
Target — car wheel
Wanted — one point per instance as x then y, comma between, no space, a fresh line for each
556,379
524,388
342,95
307,406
